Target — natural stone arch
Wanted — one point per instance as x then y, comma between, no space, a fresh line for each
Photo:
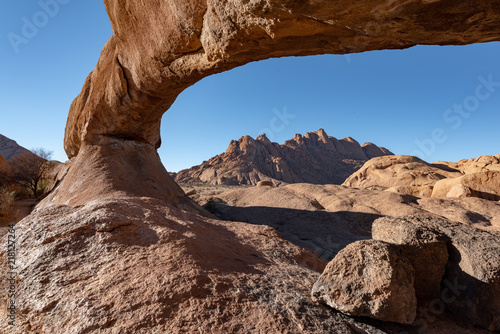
159,50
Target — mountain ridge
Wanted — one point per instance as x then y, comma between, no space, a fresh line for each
311,158
10,148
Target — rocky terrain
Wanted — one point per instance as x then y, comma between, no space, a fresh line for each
479,177
312,158
118,247
142,265
9,148
326,218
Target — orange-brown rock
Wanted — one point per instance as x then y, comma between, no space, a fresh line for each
483,185
326,218
114,168
159,49
313,158
401,174
369,278
424,247
139,265
481,164
470,288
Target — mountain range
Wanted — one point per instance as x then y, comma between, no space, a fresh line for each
312,158
9,148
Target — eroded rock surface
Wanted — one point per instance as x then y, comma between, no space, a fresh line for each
139,265
482,184
159,49
475,165
400,174
470,288
369,278
326,218
425,248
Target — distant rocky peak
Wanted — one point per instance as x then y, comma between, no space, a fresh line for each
351,140
263,138
311,158
9,148
322,134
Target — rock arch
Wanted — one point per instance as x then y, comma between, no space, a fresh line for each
158,50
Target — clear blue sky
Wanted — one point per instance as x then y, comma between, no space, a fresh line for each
408,101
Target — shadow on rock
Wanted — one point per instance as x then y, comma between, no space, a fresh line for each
322,231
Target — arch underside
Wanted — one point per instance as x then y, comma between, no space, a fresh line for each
159,50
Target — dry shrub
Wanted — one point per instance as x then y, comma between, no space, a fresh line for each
7,198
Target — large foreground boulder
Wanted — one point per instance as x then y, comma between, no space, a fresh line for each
137,265
369,278
470,288
425,248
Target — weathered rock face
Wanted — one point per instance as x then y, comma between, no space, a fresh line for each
369,278
326,218
481,164
114,168
159,49
470,288
313,158
483,185
400,173
425,248
137,265
358,280
403,174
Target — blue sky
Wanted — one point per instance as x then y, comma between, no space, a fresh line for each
440,103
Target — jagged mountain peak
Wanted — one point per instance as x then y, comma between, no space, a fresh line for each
312,158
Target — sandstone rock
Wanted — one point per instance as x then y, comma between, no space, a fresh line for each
139,265
425,248
400,173
372,151
114,168
326,218
265,184
369,278
483,185
418,191
481,164
157,51
471,211
471,284
312,158
459,191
